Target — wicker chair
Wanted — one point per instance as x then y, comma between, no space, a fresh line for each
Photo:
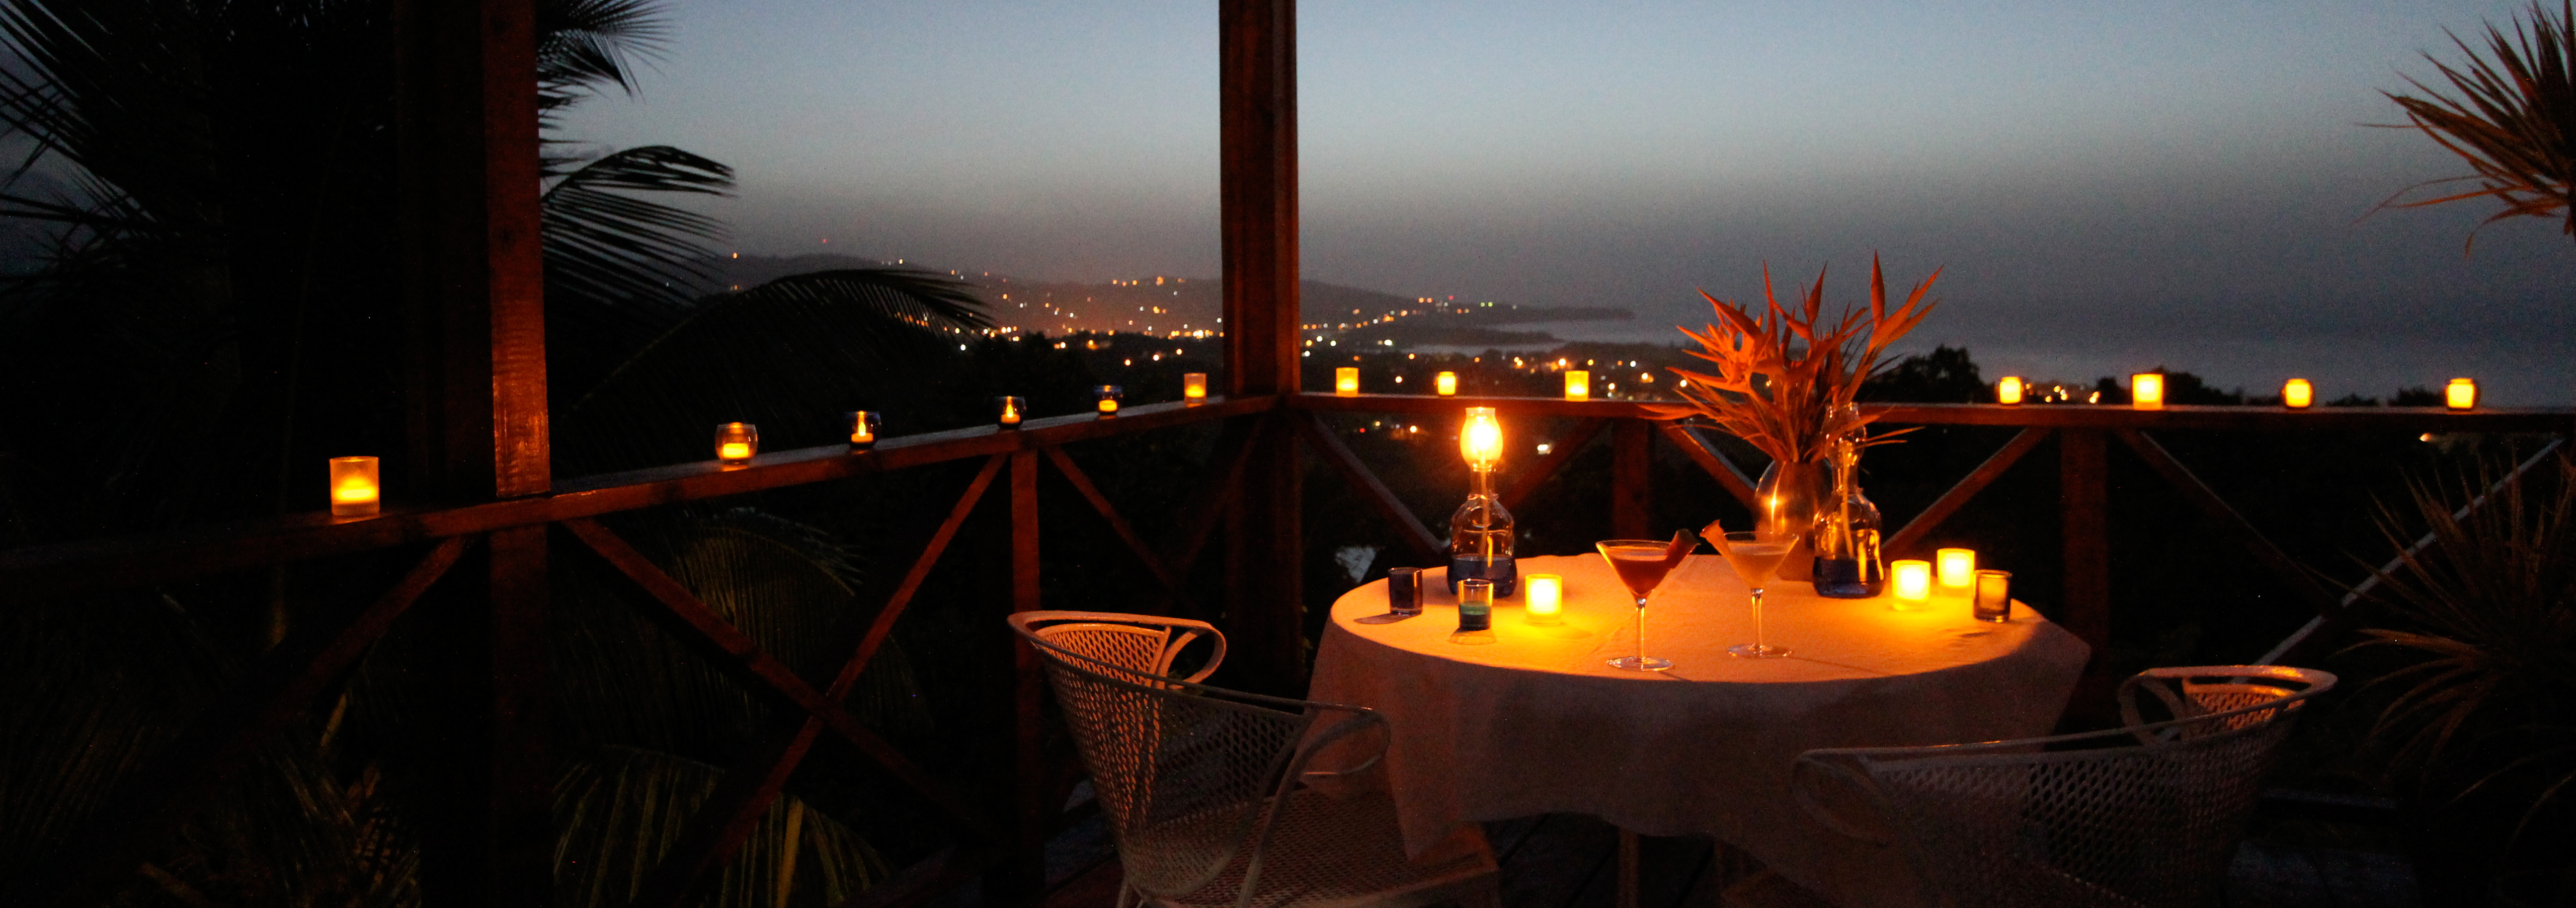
2148,814
1208,791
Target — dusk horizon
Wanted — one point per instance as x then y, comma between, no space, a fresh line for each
2105,188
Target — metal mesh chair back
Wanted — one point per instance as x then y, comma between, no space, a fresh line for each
1201,786
1140,643
2144,815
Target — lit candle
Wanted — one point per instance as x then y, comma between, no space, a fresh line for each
1578,384
2297,394
354,489
1346,381
2147,391
2461,394
1108,396
863,427
1913,582
1546,598
736,442
1194,387
1480,439
2008,391
1011,408
1958,568
1446,383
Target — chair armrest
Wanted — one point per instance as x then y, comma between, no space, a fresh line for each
1358,720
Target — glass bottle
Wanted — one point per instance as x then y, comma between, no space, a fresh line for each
1480,539
1848,562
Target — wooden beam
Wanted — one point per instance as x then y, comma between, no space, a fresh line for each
39,572
2552,420
1559,452
1257,186
1632,462
1081,482
1408,528
735,653
2233,524
1715,465
2084,507
1967,487
1019,876
146,808
760,772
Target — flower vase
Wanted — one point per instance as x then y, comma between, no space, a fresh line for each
1787,499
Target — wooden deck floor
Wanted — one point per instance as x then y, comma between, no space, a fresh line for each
1572,861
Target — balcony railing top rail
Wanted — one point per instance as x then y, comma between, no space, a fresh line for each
144,559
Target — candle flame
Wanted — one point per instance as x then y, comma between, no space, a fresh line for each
734,450
1481,439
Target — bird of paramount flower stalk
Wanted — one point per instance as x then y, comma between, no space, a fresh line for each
1785,378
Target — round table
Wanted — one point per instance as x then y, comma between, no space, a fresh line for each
1523,720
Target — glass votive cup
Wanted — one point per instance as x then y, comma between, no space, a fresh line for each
1108,396
2460,394
1346,381
1545,599
356,487
1911,582
1954,569
2008,391
862,426
1445,384
1475,605
1404,591
1578,384
1994,597
1007,411
736,442
1194,387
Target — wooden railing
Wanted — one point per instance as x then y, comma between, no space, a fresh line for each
150,805
153,803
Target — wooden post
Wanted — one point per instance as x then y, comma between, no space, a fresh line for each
1020,876
1632,462
1257,112
473,285
2084,506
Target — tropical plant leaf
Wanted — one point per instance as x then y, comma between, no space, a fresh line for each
2488,610
1785,380
2511,118
622,808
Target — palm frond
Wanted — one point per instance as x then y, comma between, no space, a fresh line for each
2512,119
622,808
2488,611
585,45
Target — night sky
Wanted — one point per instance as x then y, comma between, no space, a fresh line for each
2112,186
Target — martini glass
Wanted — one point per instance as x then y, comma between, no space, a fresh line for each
1642,564
1755,557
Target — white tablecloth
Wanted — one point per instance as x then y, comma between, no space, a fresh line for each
1526,720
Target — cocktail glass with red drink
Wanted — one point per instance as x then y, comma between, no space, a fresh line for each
1642,565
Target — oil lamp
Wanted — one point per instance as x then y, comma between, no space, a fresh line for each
1480,533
